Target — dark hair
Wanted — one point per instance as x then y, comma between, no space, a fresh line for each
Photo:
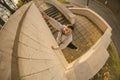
71,27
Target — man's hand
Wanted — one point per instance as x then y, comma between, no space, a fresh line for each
54,48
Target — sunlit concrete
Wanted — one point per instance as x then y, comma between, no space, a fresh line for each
25,50
26,53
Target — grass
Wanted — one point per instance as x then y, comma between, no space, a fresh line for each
63,1
111,70
114,62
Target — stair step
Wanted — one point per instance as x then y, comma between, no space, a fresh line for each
51,11
57,15
51,8
53,16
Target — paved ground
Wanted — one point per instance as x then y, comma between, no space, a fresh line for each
88,32
107,14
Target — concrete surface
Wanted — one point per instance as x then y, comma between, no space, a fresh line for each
37,60
25,50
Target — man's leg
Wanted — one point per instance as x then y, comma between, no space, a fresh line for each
72,46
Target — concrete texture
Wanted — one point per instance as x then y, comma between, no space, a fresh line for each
25,50
94,17
37,61
40,61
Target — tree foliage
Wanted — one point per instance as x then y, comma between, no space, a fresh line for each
62,1
2,22
8,7
3,3
20,3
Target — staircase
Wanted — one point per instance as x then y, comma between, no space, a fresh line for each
57,15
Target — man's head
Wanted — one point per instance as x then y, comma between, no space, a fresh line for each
68,29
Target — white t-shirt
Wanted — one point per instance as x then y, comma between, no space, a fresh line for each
62,40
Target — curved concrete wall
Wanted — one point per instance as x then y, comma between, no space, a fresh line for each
92,61
25,50
63,10
100,22
37,61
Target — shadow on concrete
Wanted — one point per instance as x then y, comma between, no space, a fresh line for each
15,64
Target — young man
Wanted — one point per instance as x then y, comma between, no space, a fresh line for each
64,38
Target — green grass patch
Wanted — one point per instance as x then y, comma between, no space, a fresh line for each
63,1
114,62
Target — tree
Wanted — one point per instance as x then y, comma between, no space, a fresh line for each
2,22
62,1
19,4
26,1
3,3
12,4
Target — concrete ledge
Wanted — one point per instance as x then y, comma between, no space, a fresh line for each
93,60
99,21
63,10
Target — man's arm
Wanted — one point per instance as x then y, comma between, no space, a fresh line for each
57,25
64,44
53,22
